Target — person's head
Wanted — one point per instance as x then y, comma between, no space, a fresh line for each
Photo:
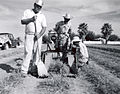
76,40
67,17
38,5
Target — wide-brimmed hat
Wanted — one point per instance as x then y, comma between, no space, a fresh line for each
76,39
39,2
67,16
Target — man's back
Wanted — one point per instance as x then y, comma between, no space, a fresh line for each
83,52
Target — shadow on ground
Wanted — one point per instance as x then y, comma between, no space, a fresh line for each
7,68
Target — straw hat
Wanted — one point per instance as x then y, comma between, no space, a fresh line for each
39,2
76,39
67,16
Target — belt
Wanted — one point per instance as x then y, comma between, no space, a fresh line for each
30,33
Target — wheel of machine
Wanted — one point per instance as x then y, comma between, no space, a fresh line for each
15,46
6,46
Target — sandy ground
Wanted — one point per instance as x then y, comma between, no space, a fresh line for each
30,85
95,78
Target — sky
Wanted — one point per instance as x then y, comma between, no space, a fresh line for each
93,12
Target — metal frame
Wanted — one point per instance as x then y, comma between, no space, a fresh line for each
50,50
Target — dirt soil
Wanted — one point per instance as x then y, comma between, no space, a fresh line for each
101,76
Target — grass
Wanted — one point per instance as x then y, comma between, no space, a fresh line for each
55,85
104,81
104,68
108,61
111,48
10,82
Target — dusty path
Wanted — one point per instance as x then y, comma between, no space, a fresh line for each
32,85
14,83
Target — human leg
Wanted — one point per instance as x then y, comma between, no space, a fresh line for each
28,47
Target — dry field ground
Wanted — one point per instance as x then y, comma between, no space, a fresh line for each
101,76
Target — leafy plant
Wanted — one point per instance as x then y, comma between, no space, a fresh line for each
83,30
106,30
113,37
90,36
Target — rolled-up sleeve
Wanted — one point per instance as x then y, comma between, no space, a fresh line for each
25,14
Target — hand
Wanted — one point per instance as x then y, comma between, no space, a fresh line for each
34,18
35,38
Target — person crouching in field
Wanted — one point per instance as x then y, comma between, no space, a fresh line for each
80,53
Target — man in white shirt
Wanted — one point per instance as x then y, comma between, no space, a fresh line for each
35,26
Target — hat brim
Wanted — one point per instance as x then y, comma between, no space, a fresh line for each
39,4
66,17
76,41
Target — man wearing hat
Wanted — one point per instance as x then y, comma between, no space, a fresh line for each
35,26
80,51
64,29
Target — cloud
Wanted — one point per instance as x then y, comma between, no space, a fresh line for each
4,11
83,7
97,11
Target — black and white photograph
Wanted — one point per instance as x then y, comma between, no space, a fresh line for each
60,47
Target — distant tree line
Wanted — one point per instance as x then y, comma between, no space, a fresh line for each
106,33
85,34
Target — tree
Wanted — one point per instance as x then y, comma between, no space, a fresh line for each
106,30
83,30
98,36
113,38
90,36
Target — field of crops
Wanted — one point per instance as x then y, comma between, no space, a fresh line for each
103,71
104,68
109,47
100,76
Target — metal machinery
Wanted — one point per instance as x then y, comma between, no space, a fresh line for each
55,49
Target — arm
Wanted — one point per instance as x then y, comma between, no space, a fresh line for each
44,25
27,21
69,31
56,27
42,32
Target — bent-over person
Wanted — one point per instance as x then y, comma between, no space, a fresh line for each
80,53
